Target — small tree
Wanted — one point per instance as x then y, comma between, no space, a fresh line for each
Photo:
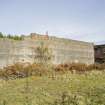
1,35
9,36
42,54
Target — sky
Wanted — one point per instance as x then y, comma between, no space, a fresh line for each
75,19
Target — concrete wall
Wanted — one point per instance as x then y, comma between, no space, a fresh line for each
63,50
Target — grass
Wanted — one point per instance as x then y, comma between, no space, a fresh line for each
88,88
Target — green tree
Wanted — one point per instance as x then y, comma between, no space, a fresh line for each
14,37
9,36
1,35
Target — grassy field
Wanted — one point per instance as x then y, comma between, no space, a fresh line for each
47,90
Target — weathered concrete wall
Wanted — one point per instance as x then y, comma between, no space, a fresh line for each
73,51
63,50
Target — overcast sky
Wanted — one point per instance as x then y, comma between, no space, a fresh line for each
75,19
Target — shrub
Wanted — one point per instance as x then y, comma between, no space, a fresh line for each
79,67
70,67
96,67
21,70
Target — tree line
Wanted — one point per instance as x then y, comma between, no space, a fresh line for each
9,36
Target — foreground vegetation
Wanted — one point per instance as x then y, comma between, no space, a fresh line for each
53,87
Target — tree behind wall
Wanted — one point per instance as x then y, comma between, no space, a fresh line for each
1,35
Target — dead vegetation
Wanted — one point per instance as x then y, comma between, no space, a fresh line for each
22,70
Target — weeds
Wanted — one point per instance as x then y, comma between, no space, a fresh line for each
19,70
79,68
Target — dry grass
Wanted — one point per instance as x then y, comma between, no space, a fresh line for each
21,70
79,68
